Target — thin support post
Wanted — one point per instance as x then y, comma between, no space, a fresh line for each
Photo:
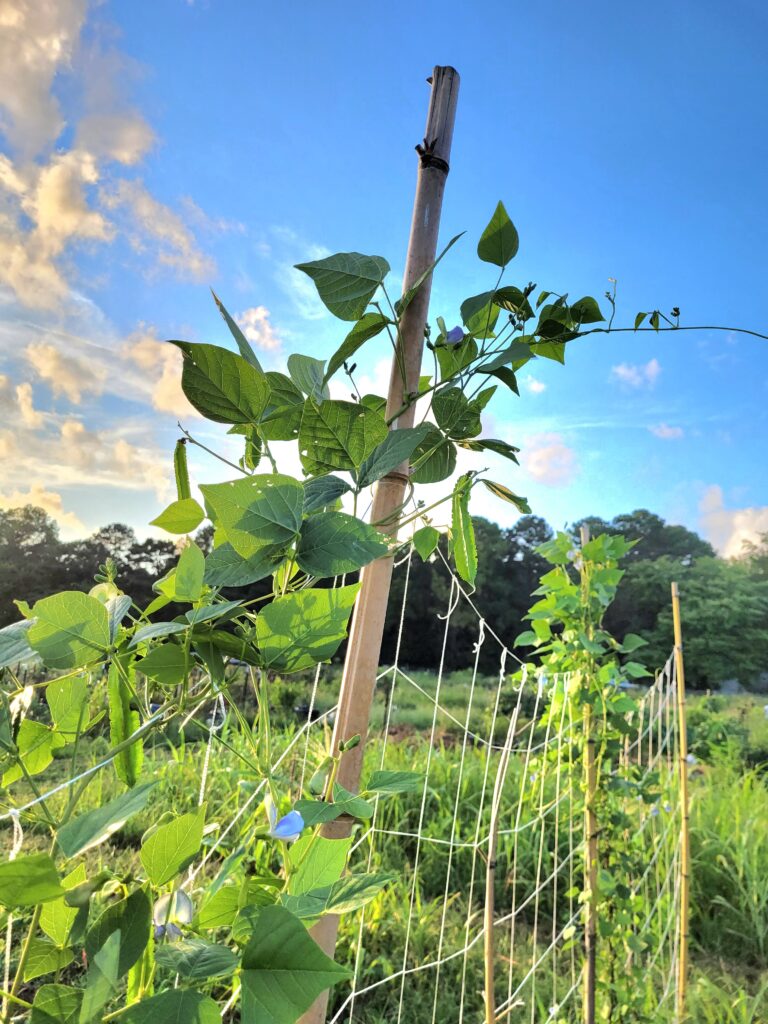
685,841
489,950
591,855
363,651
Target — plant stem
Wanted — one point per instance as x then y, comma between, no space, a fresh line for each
24,956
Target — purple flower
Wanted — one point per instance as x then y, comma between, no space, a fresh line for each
288,828
655,811
454,336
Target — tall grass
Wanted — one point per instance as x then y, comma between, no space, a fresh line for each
729,921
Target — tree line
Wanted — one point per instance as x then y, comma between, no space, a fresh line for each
724,603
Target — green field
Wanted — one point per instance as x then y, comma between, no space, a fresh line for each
729,924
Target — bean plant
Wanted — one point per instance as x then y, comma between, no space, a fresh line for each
200,926
592,673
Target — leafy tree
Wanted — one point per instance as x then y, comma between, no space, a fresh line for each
724,613
755,555
653,537
29,551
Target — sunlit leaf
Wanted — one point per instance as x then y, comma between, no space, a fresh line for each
172,846
367,327
181,516
246,349
308,374
499,242
347,281
70,629
28,880
397,447
332,543
463,545
338,435
425,541
304,628
283,969
88,830
521,504
223,386
256,512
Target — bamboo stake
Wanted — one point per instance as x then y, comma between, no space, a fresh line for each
362,661
591,860
685,841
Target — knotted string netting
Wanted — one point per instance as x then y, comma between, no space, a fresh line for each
500,776
486,853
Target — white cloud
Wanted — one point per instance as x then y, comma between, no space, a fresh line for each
729,528
69,375
257,328
161,365
46,209
532,384
51,502
30,416
636,376
151,223
37,41
51,199
124,138
63,452
549,460
667,433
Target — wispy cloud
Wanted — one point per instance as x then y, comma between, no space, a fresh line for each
636,376
53,199
549,459
69,375
153,228
667,433
30,416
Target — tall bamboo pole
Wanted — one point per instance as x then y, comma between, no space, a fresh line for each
591,859
685,842
362,662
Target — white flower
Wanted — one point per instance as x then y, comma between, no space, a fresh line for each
21,703
170,911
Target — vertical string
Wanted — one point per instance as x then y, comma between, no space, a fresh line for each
456,807
18,842
452,602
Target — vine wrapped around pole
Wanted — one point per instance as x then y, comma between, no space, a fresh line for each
591,858
362,661
685,842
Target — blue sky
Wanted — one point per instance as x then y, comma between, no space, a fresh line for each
150,150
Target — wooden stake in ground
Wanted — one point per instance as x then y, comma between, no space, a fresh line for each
685,843
591,859
362,662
